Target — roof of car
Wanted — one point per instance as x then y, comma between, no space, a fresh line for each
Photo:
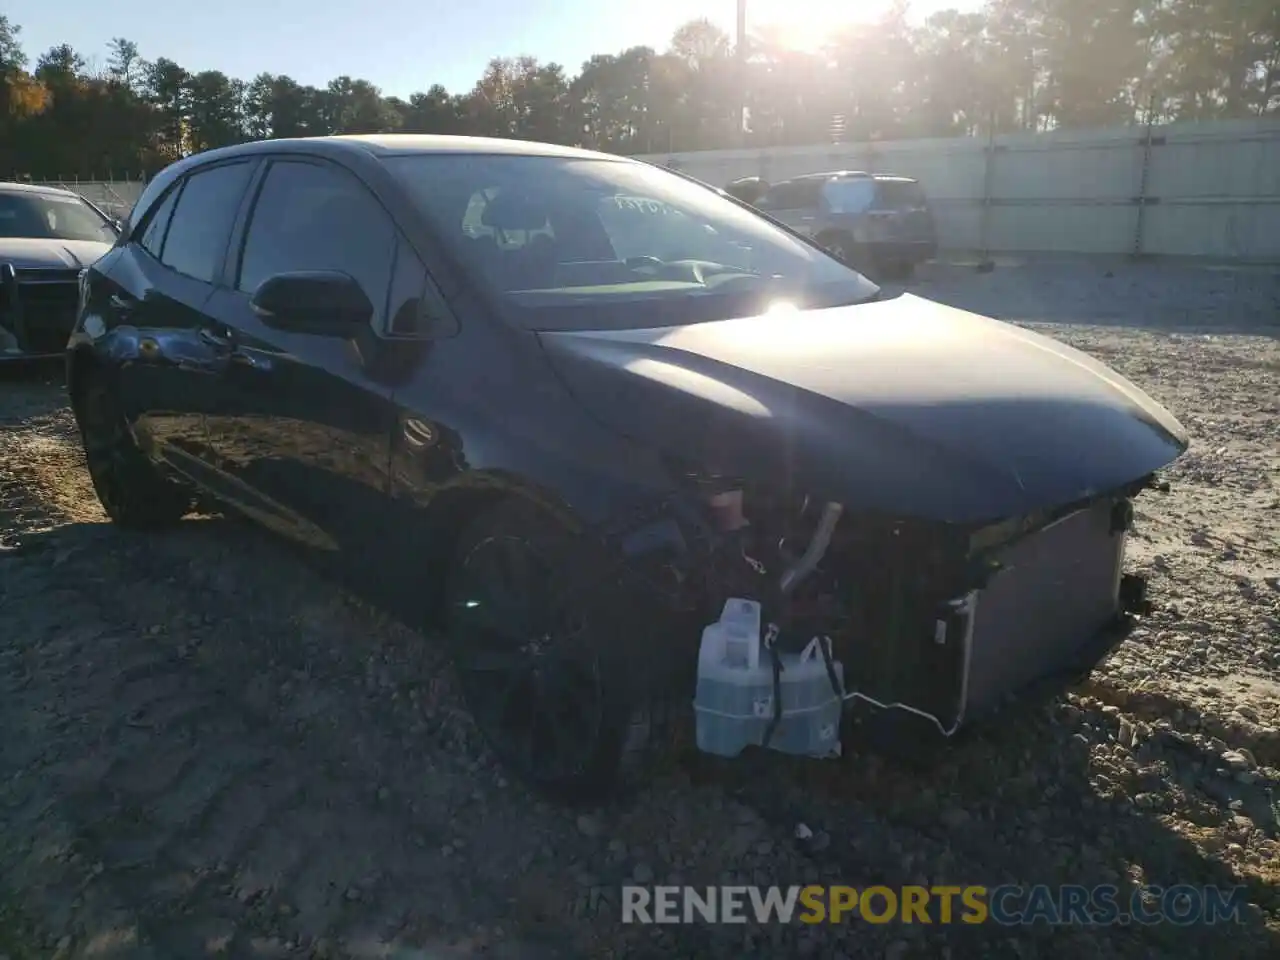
378,145
398,144
850,174
827,175
7,186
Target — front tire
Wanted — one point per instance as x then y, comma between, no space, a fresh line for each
131,489
538,627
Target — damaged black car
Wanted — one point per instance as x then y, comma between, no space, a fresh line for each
629,444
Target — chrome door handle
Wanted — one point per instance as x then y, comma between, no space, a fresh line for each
122,304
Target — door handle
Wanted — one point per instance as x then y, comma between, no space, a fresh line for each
121,304
215,340
230,354
250,361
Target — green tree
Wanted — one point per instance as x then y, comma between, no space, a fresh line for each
169,93
1014,65
215,105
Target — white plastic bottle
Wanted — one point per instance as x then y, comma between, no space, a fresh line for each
734,640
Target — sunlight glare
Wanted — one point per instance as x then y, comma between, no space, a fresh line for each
808,24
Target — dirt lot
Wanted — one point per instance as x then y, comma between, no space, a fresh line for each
206,748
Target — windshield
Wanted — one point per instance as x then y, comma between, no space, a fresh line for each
51,216
565,243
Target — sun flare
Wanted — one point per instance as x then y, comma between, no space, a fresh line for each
805,24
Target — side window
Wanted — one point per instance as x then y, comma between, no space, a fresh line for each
790,196
153,236
408,290
899,194
849,195
202,221
313,217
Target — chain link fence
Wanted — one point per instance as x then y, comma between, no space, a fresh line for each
115,197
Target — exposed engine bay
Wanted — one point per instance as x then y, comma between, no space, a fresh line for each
932,621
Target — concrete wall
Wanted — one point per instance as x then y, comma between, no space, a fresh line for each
1204,190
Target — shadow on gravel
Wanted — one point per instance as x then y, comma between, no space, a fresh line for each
49,369
208,751
1024,805
207,744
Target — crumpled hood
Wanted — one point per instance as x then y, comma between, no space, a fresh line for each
904,406
32,254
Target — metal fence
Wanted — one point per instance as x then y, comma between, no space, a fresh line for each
115,197
1208,190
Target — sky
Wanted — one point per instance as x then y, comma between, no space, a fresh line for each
403,46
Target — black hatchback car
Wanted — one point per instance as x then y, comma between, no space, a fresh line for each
566,404
878,223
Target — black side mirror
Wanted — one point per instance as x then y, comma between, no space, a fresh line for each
325,303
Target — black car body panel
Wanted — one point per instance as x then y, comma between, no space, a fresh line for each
948,438
904,406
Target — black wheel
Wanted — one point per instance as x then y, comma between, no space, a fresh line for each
539,635
131,489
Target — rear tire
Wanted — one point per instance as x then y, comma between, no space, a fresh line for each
541,634
132,490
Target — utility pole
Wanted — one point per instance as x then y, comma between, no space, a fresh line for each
741,55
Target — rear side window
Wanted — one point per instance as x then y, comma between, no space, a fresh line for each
158,224
849,194
202,221
796,195
897,194
314,217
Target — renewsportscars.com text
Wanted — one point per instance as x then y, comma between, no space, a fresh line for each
1180,905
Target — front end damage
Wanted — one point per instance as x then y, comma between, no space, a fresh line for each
934,624
983,478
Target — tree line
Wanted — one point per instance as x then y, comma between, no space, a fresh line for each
1017,65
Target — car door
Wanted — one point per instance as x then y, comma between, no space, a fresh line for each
906,199
153,295
301,425
796,203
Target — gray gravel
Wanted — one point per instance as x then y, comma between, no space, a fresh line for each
208,748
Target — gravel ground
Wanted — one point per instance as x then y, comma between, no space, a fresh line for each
206,748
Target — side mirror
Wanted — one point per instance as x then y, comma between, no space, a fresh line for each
324,303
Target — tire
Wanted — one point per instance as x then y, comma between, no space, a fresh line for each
541,638
132,490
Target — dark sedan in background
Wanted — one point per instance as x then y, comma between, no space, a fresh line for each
566,404
47,236
879,224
